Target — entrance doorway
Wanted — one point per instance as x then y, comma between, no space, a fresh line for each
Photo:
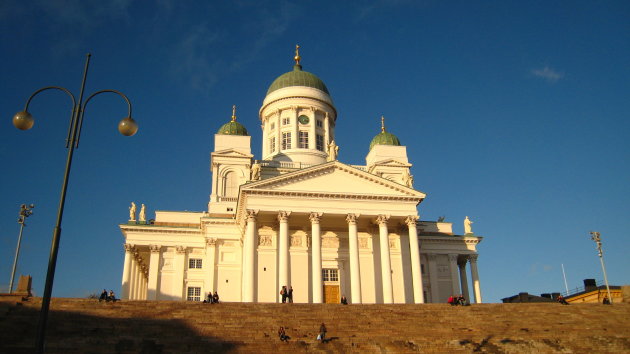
330,278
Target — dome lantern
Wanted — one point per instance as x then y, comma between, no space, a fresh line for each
233,127
384,138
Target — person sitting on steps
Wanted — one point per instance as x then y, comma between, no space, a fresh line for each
103,296
283,335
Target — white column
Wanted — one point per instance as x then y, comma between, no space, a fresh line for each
313,130
326,131
294,138
355,271
283,258
143,283
249,249
278,131
209,264
475,278
316,257
180,267
265,136
464,279
452,259
414,249
386,263
433,278
154,267
134,277
126,278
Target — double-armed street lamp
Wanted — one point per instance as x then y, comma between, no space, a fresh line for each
25,212
23,120
596,237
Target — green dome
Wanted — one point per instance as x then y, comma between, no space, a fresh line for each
385,138
297,77
232,128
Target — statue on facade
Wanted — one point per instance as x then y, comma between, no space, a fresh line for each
143,213
467,226
132,212
407,178
333,151
255,172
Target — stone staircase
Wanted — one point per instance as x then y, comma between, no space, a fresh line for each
87,326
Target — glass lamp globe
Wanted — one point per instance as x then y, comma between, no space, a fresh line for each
127,126
23,120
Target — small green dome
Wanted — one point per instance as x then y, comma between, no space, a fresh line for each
232,128
385,138
297,77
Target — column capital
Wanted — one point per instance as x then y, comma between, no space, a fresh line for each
251,214
211,241
352,218
382,219
129,247
432,256
452,257
180,249
155,248
283,216
315,217
473,258
411,220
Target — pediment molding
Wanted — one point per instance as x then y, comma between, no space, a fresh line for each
230,153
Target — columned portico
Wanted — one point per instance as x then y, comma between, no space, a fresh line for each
475,278
154,265
386,264
353,246
414,249
283,244
249,256
316,257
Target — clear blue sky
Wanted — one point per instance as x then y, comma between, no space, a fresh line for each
513,113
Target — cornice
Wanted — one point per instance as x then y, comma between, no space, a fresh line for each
261,117
159,230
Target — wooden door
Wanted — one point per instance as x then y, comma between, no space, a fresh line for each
331,294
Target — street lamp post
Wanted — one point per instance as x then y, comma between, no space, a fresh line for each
25,212
24,120
596,237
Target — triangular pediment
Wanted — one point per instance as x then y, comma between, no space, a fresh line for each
333,178
230,153
392,163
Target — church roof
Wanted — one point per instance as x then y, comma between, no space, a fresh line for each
384,138
297,77
233,127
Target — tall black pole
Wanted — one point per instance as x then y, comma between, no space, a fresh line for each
54,248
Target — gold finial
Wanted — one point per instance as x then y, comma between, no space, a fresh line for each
297,57
382,124
234,113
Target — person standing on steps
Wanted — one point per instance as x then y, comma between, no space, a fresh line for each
344,301
283,292
215,297
290,294
322,333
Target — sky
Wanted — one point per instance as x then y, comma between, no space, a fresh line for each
513,113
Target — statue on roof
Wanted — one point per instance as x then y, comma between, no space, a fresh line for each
255,172
132,212
467,226
407,178
143,213
333,151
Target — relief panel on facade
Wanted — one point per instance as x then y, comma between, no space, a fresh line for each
296,241
330,242
264,240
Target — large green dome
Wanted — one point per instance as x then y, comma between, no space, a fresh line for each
384,138
297,77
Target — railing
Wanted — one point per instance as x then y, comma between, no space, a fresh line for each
283,164
228,199
358,167
580,289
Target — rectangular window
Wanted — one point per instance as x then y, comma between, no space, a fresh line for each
319,142
286,121
272,144
194,263
319,123
286,140
330,275
303,140
194,294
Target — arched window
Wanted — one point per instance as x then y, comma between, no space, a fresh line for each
230,185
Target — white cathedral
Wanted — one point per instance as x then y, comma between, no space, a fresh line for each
301,218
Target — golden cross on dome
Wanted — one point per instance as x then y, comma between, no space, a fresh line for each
234,113
382,124
297,57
